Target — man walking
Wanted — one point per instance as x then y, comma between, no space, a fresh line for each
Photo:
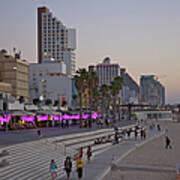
168,143
80,164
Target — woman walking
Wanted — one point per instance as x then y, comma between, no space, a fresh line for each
89,154
53,169
68,166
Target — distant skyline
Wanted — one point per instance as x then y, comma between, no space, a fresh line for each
142,36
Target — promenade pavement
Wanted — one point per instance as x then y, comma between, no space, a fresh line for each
30,160
152,155
100,164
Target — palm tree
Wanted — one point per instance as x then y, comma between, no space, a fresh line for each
81,84
115,88
92,85
178,106
104,90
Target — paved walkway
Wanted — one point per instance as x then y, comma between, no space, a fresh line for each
152,154
100,164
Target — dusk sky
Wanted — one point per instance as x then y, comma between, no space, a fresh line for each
141,35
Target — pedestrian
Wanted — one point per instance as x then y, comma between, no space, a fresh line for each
81,152
113,162
129,133
89,153
135,134
116,138
80,164
144,134
68,166
53,169
158,127
39,133
168,143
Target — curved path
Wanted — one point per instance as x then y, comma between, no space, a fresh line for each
152,160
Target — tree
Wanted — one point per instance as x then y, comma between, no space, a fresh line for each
36,101
115,88
105,96
21,99
81,84
92,87
48,102
178,106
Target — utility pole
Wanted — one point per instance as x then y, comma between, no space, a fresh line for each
6,109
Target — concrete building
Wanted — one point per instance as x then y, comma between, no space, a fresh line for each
15,71
49,80
55,41
130,90
152,91
107,71
5,93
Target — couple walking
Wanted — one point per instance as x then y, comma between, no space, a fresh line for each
67,168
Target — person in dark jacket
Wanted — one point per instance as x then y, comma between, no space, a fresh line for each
168,142
89,153
68,166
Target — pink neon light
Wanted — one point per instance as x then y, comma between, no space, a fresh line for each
5,118
43,118
28,119
55,117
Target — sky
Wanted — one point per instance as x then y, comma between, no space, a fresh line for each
143,36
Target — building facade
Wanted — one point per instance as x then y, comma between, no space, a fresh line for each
5,94
107,71
50,80
56,42
152,91
130,89
15,71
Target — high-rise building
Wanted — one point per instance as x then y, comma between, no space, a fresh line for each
15,71
107,71
130,89
56,42
152,91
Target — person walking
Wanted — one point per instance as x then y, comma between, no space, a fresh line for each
53,169
80,164
39,133
81,152
135,134
158,127
68,166
89,154
144,134
168,143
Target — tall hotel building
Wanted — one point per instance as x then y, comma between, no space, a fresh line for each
107,71
56,42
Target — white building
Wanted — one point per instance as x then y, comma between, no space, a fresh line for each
55,40
50,81
107,71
